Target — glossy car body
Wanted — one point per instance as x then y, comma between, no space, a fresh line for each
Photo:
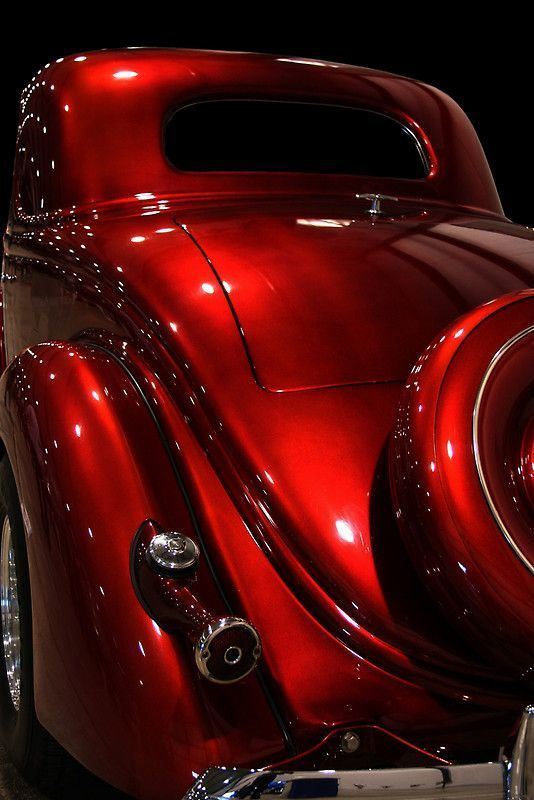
226,354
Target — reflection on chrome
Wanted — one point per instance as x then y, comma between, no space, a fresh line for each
481,781
9,600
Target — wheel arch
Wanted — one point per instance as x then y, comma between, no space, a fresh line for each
110,686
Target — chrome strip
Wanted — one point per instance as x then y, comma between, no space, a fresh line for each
10,613
476,412
481,781
491,781
521,785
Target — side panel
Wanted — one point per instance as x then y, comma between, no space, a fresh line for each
327,669
124,697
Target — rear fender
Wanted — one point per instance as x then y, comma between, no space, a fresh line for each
117,691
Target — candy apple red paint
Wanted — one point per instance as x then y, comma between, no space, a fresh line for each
266,416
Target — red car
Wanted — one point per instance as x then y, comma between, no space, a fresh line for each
267,425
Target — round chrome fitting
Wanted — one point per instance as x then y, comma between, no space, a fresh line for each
350,742
227,650
170,552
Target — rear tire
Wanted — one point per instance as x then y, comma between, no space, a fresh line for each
34,752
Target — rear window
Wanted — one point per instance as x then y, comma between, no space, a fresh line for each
273,136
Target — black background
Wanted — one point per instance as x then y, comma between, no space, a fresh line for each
486,64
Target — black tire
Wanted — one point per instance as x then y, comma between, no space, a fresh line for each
33,751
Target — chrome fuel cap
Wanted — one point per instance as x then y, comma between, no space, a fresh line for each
171,552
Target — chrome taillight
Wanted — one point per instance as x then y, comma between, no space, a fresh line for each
166,570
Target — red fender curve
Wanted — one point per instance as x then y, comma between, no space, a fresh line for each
121,694
462,475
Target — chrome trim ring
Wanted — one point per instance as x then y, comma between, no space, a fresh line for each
234,653
10,613
476,445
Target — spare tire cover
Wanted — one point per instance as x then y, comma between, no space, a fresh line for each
462,476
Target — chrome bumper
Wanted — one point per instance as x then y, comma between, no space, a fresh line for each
506,780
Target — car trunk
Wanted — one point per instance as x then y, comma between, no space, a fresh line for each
328,295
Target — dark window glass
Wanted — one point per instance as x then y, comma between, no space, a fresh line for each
271,136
